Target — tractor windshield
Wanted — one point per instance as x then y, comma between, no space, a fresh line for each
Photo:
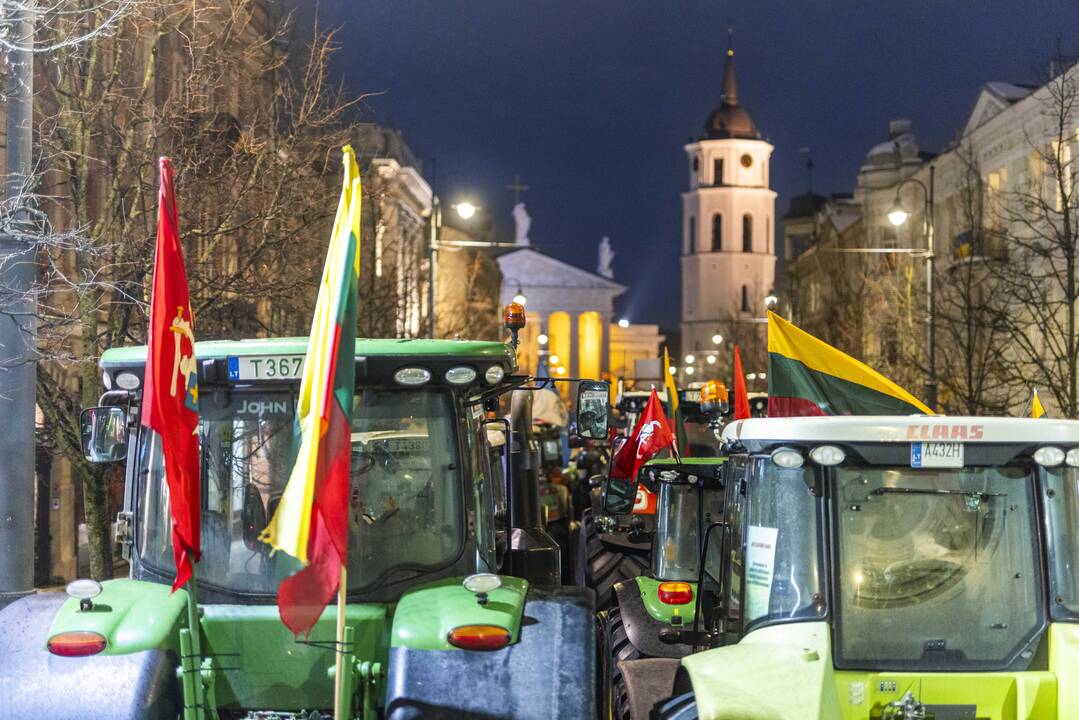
404,511
938,569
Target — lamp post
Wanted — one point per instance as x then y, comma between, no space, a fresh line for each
465,211
898,216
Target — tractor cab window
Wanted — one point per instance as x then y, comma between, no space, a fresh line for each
1061,493
404,507
937,569
781,555
676,543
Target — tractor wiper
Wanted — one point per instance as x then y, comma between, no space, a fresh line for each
923,491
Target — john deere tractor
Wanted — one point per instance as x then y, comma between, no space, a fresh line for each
453,594
893,568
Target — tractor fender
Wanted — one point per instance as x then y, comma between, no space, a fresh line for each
36,684
642,629
549,672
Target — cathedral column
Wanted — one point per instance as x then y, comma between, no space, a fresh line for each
605,346
574,346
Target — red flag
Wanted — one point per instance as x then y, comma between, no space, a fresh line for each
170,393
652,434
741,392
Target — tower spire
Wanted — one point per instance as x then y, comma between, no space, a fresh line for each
730,87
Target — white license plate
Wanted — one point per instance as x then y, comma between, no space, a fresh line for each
936,455
265,367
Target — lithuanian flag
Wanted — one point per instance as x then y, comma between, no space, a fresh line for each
311,521
672,400
807,376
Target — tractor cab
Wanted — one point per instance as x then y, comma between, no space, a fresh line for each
890,567
451,574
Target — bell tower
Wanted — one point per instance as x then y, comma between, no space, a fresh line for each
728,226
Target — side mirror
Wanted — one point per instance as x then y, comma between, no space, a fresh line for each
593,409
104,433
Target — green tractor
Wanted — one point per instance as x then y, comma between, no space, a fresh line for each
889,568
649,611
453,596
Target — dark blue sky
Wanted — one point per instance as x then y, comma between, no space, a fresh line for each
591,101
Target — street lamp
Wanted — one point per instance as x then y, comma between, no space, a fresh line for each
770,300
711,359
520,298
898,216
689,371
623,323
465,210
689,359
542,339
717,339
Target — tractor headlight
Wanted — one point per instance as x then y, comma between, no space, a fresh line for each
412,376
1072,458
460,375
494,374
1049,456
786,457
827,455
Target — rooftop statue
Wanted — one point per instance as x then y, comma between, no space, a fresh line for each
522,222
606,255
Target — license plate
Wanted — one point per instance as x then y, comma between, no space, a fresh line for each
265,367
693,396
936,455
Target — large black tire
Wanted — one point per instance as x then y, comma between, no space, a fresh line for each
608,565
620,648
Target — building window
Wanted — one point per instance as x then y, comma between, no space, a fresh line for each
696,163
717,171
747,233
692,234
717,232
745,298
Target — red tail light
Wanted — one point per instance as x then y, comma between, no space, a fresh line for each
675,593
77,643
479,637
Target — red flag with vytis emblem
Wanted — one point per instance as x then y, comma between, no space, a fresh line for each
741,392
170,392
652,434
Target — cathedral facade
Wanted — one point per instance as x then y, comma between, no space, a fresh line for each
728,227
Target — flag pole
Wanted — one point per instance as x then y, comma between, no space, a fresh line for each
340,702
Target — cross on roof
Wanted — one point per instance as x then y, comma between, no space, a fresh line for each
517,188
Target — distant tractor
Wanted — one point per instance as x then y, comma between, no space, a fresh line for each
453,599
893,568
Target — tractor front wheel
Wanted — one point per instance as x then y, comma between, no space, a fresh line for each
607,565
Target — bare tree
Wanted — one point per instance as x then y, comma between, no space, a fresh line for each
971,367
254,133
1039,221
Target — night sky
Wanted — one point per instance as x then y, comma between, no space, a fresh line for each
591,101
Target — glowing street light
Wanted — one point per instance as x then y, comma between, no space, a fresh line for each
711,359
897,215
554,359
689,371
623,323
465,210
770,301
674,369
717,339
542,339
690,359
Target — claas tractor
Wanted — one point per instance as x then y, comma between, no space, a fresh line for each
453,595
891,568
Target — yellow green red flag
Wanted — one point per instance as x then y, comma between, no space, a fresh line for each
311,521
807,376
669,384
